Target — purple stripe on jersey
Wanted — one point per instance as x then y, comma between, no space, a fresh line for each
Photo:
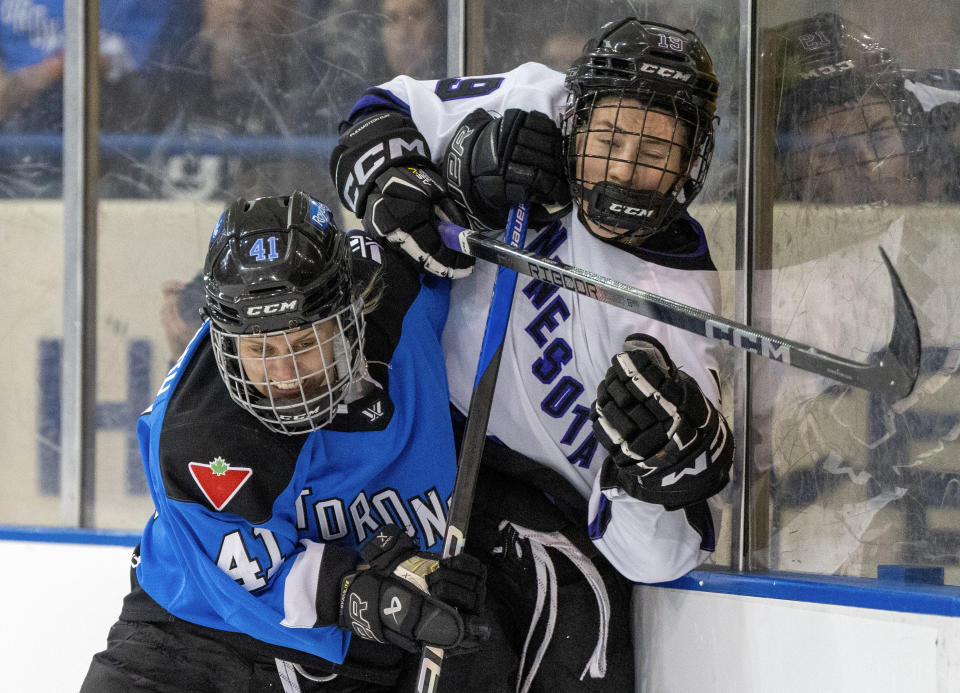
699,517
685,233
598,526
376,99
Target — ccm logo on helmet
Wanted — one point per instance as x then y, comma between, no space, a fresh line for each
273,308
842,66
373,160
667,72
630,211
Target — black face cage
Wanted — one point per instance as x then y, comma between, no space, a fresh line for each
320,363
849,140
616,184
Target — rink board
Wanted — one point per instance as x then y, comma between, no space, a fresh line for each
710,632
68,592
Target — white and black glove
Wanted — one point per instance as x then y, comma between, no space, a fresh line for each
493,163
403,209
667,443
411,598
383,173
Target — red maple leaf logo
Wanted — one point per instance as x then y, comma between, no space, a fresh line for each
218,480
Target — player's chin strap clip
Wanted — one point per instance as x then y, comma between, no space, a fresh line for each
547,587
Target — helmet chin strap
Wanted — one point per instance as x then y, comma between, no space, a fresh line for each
637,212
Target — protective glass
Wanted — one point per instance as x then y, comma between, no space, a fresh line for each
635,161
293,381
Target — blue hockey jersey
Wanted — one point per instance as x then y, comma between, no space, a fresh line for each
253,529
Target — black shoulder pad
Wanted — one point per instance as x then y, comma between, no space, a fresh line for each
384,325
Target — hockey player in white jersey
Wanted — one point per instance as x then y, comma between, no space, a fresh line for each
611,154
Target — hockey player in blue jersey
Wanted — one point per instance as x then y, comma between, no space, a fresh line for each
611,154
300,457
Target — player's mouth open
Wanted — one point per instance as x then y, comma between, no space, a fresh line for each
290,389
286,389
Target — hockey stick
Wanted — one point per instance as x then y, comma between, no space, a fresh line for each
475,433
893,371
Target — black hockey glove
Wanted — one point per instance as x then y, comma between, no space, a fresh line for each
368,148
383,173
668,444
493,163
412,598
403,208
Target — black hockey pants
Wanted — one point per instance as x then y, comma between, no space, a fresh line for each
169,657
559,614
166,658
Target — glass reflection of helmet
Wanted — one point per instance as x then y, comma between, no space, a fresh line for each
825,64
278,267
831,57
663,69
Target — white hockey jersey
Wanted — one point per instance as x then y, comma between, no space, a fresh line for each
559,343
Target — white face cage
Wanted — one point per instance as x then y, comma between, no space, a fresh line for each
293,380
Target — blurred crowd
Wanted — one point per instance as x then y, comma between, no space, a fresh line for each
214,84
232,94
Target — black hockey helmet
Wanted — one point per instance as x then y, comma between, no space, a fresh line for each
276,263
826,69
649,66
280,296
636,55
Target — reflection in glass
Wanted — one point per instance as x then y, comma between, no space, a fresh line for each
847,126
845,481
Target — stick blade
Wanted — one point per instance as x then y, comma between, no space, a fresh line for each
901,357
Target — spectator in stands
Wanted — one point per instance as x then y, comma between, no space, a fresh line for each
412,37
308,96
20,88
404,37
31,61
248,71
31,81
563,42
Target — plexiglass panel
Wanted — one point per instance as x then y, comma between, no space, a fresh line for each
200,102
245,102
862,109
31,276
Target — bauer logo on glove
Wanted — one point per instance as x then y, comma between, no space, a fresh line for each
667,442
411,598
495,162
